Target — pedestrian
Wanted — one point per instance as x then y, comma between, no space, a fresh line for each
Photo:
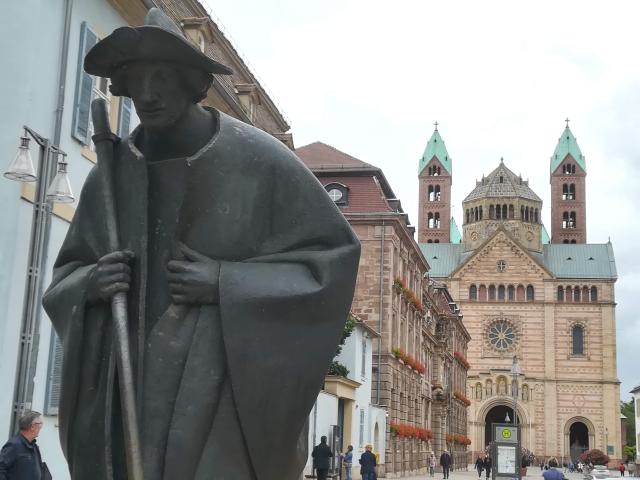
479,466
621,469
368,464
487,466
552,473
632,468
20,457
321,454
432,465
445,463
347,459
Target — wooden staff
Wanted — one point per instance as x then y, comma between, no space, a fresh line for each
104,141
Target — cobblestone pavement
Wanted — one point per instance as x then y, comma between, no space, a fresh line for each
533,473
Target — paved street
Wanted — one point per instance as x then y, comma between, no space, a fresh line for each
532,473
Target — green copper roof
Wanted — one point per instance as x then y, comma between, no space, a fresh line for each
443,258
544,236
435,148
567,145
571,261
586,260
454,232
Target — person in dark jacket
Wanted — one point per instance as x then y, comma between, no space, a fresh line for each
321,454
479,466
487,465
445,463
20,457
368,464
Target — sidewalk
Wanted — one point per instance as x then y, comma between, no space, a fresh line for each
533,473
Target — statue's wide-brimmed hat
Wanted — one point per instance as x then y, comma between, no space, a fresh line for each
159,39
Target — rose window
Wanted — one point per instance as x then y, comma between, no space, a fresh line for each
502,335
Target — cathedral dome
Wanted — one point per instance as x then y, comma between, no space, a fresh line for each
502,182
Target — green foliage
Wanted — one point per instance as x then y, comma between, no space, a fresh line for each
349,327
338,369
629,452
627,409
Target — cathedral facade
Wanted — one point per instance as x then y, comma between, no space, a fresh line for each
547,301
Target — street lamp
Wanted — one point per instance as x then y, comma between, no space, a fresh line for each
21,169
46,192
515,371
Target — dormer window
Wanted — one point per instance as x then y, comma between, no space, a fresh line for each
338,193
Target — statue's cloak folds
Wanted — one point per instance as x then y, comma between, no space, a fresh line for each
289,263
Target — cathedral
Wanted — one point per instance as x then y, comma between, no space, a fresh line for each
545,301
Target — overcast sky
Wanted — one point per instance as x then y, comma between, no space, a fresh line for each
371,77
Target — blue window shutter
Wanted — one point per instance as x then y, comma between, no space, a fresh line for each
84,87
54,376
124,117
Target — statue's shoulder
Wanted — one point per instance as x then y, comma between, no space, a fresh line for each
253,142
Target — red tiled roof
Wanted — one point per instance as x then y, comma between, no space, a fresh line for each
318,155
365,194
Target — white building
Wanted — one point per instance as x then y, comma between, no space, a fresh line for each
346,403
44,87
42,45
636,403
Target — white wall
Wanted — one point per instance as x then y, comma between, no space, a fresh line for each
30,48
323,415
351,357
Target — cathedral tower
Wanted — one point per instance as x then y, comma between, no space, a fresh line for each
502,199
434,175
567,178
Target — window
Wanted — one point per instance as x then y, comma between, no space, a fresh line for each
576,294
511,293
84,89
594,294
482,293
569,220
100,90
361,437
54,376
501,292
577,336
338,193
530,294
473,293
363,360
502,335
560,294
124,117
492,292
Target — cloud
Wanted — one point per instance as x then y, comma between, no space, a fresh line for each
371,77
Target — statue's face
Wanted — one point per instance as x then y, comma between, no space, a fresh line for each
158,94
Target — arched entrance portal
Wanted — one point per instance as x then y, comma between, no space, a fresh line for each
498,414
578,440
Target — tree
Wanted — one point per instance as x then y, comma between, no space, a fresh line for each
595,456
629,452
627,409
336,368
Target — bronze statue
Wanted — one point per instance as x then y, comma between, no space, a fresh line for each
239,272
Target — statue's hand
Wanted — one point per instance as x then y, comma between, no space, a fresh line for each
111,275
194,280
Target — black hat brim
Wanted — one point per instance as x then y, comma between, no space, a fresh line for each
151,43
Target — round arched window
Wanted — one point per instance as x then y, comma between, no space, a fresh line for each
335,194
502,335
